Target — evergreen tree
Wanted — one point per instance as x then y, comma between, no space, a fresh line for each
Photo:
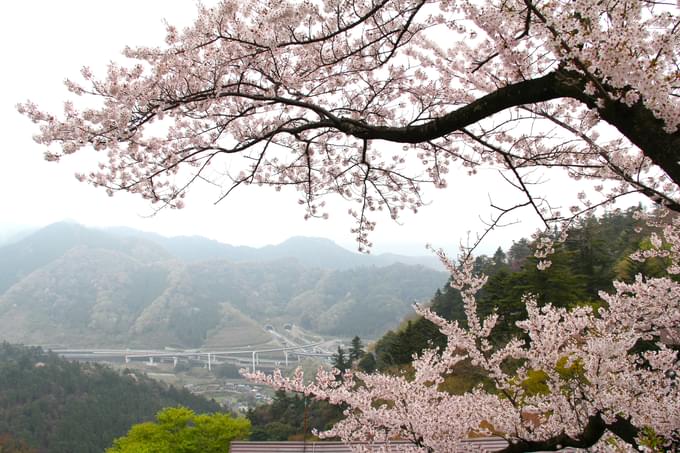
518,253
284,418
356,350
596,252
57,406
339,360
227,371
367,363
499,257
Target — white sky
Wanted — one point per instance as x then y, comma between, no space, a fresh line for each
42,42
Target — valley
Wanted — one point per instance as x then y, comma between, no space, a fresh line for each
214,374
191,312
70,286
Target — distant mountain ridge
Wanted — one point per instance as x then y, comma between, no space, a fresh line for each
45,245
71,285
10,232
309,251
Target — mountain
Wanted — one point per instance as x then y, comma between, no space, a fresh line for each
82,295
20,258
11,232
191,248
368,300
309,251
429,261
76,286
316,252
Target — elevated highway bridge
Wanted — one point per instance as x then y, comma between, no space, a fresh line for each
251,356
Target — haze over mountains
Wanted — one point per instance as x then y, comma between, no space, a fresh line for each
11,232
309,251
66,284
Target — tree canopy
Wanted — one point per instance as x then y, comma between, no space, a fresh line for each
292,417
340,360
180,430
305,93
48,403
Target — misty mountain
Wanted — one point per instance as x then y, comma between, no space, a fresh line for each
10,232
71,285
309,251
191,248
39,248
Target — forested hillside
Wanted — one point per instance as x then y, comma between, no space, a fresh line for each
71,285
595,253
292,417
51,405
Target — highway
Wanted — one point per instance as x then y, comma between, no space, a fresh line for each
252,356
291,349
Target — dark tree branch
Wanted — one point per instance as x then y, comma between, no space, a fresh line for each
637,123
591,434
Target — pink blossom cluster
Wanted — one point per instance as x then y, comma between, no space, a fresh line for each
370,100
586,358
307,94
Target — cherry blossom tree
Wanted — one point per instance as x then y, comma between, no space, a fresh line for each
581,383
309,94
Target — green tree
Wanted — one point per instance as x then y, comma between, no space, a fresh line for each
397,348
273,431
58,406
339,360
356,350
499,257
367,363
518,254
284,418
180,430
9,444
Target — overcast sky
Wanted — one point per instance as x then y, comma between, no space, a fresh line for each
45,41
